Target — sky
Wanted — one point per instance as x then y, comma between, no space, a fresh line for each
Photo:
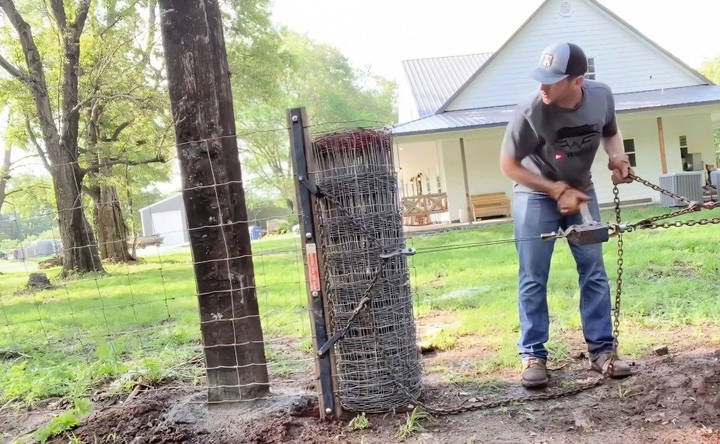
382,33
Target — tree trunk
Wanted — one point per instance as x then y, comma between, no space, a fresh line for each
4,175
80,253
108,221
111,229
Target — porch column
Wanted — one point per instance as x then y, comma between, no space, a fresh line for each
454,180
661,144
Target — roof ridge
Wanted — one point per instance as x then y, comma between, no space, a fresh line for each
450,56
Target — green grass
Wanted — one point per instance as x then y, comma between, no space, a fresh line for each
140,321
671,278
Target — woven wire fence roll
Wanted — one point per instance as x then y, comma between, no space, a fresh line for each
377,362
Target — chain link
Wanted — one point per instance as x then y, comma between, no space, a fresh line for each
650,222
660,189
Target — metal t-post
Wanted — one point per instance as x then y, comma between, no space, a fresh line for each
324,365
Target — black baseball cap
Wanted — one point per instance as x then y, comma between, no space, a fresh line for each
559,61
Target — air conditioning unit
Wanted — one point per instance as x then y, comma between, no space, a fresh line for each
715,181
688,184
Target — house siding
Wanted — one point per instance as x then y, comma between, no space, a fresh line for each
482,151
623,60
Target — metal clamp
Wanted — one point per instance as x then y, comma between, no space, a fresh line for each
400,252
311,186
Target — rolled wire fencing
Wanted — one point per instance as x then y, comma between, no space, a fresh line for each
365,273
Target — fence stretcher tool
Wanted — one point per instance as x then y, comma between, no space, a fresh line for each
589,232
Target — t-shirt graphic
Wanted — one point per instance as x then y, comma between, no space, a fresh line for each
571,141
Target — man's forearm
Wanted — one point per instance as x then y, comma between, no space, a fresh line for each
518,173
613,145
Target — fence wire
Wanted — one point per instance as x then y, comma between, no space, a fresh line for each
138,323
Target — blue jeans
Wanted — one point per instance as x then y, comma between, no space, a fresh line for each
534,214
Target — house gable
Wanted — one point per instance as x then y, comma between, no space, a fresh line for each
624,59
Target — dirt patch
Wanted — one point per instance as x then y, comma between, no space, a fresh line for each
671,398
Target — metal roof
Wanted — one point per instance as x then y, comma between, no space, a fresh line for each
433,80
500,115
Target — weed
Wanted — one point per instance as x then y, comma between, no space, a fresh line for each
64,421
72,439
413,423
359,422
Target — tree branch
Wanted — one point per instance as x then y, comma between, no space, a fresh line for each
80,17
38,148
14,71
114,161
38,85
58,12
117,132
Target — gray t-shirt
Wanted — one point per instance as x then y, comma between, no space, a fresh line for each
560,144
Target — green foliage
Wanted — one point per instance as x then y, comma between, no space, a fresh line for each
65,421
414,423
359,422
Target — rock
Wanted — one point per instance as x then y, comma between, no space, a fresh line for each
581,419
699,386
661,351
688,406
678,381
38,281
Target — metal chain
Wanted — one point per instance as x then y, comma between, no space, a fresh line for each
660,189
650,222
618,286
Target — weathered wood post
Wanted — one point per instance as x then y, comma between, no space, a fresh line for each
201,99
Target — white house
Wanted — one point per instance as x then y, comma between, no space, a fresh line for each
454,110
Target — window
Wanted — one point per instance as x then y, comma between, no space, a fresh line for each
591,68
629,145
684,154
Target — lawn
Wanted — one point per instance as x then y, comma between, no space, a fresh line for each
141,320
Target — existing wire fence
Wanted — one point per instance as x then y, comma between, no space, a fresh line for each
137,326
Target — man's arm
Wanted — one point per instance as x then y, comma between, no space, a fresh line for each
618,161
513,169
568,198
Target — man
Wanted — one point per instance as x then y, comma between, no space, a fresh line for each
548,149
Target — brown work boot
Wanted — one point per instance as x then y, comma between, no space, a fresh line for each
534,373
601,362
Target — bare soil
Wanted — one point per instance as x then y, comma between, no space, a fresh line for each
671,398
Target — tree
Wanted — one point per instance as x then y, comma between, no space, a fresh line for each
126,119
122,112
61,138
301,73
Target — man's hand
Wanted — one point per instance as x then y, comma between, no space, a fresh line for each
570,201
619,164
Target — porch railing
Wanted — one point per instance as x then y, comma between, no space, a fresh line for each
417,209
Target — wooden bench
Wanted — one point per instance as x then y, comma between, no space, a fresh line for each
491,204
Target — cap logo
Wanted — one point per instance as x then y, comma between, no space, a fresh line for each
547,60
